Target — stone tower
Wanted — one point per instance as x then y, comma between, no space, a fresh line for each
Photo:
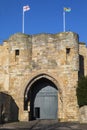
41,73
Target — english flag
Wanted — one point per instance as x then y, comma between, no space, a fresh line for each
26,8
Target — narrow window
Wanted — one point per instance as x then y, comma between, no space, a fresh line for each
68,56
67,50
16,52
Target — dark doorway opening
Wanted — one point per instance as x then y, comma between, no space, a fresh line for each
37,112
8,109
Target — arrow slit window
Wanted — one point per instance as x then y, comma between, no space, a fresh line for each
16,52
17,55
68,51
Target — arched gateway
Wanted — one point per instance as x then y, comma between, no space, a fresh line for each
41,96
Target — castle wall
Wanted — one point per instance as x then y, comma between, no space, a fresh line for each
83,53
4,66
56,55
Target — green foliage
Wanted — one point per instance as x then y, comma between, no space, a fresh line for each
82,91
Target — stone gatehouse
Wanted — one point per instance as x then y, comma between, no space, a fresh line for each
40,73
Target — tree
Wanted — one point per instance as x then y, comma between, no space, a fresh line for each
82,91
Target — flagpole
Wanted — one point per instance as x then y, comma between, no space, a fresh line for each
23,23
64,17
25,8
64,21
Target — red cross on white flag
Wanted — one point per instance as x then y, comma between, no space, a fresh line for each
26,8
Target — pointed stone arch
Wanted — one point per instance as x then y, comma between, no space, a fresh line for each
52,86
39,76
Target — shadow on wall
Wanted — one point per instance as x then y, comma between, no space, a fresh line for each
81,66
8,109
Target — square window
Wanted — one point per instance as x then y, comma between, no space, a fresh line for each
67,50
16,52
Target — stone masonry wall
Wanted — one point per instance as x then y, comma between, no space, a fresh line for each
4,66
49,55
56,55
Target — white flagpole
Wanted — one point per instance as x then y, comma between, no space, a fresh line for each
23,23
25,8
64,21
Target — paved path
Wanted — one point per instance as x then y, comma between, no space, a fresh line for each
43,125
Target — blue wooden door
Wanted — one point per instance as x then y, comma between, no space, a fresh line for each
46,103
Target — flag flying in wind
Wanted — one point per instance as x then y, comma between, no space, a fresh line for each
67,9
26,8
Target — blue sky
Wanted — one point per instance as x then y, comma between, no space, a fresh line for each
45,16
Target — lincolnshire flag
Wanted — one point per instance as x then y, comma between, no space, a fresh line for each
26,8
67,9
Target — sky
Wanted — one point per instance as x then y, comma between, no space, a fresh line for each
44,16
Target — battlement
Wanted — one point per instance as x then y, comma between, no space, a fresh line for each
44,50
